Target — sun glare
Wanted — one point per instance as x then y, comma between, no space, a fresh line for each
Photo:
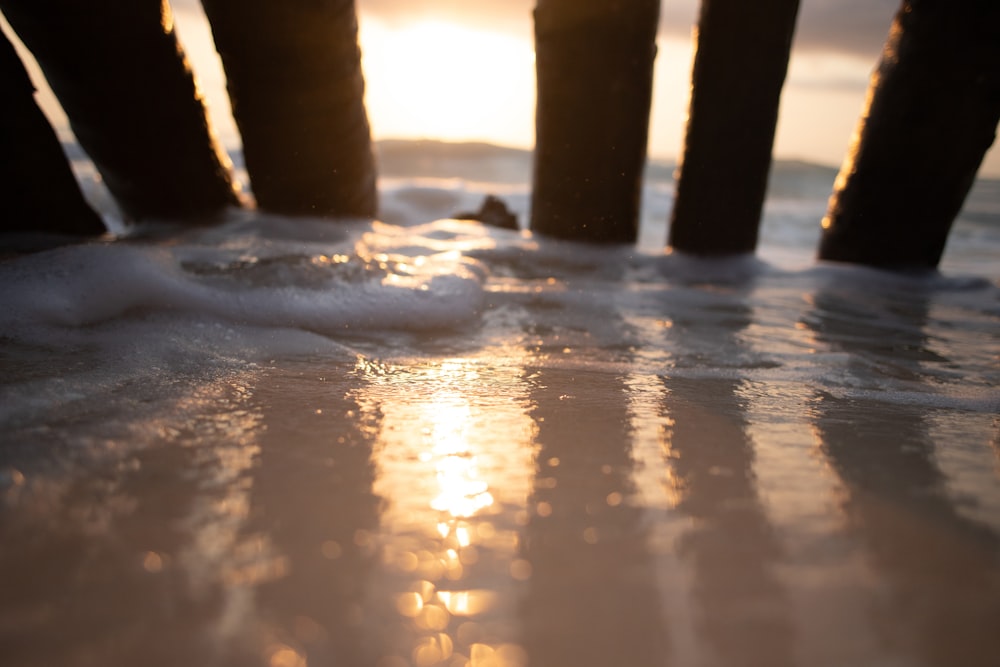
439,79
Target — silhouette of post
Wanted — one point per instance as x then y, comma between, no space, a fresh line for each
295,81
931,114
37,187
595,68
132,101
739,69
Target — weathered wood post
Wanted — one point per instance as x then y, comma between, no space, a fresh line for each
37,188
740,63
295,80
931,114
123,80
594,62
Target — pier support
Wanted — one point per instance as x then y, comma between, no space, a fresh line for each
294,76
931,114
594,63
132,102
37,188
740,63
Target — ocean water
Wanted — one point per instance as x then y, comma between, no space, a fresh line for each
420,441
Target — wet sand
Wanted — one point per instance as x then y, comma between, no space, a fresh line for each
608,469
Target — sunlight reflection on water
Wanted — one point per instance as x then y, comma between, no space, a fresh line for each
609,462
454,460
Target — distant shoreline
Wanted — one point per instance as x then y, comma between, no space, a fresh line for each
438,158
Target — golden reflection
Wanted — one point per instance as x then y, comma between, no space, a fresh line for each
462,492
432,617
454,469
445,422
409,604
286,656
432,650
467,603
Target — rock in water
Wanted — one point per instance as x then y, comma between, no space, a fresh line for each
493,212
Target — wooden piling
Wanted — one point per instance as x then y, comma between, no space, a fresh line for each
739,68
594,62
37,188
132,102
931,114
294,77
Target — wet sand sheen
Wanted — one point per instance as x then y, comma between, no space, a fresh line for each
623,460
457,512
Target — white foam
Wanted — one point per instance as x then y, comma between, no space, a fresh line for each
262,286
260,281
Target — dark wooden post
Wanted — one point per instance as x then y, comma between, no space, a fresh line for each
594,63
294,77
37,189
932,111
123,80
739,69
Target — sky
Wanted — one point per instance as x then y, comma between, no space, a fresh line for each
836,46
464,70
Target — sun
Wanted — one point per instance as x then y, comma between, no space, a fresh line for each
437,79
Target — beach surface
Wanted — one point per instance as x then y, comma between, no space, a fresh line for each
421,441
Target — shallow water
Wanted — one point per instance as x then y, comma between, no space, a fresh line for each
287,443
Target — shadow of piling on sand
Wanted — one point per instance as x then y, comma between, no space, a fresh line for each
742,614
940,604
590,599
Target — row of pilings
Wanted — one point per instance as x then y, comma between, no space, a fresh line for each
295,81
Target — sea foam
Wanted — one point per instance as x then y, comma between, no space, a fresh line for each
355,283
